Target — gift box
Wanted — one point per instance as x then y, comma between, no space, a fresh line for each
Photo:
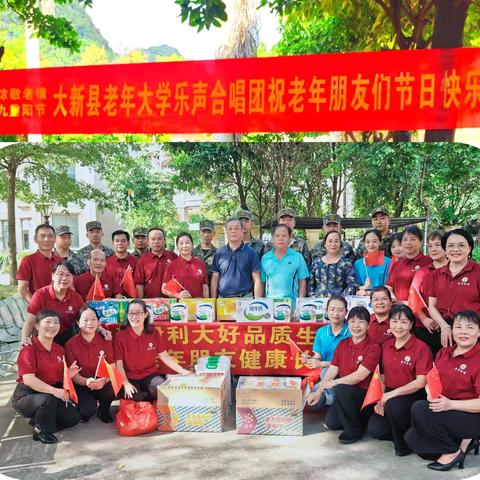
159,308
311,309
200,309
107,311
282,309
227,309
179,312
192,403
269,406
359,301
255,310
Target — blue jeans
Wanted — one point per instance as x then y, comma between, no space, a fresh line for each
327,397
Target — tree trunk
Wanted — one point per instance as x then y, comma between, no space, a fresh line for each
450,17
12,239
401,136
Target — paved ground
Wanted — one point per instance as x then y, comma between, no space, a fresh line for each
95,451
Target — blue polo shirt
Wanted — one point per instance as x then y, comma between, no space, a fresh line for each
325,342
235,268
281,276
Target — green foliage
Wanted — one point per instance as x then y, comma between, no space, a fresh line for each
202,13
476,254
7,291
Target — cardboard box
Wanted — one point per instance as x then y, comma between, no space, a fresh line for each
255,310
311,309
227,309
359,301
269,406
192,403
107,311
282,309
159,308
179,312
200,309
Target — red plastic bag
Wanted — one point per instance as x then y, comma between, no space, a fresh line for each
135,418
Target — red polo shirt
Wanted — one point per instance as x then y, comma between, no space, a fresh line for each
402,273
461,292
37,269
68,308
45,365
149,272
138,352
348,356
87,354
401,366
118,266
379,332
460,375
191,274
84,281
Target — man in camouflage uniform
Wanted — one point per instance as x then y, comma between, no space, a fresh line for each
63,243
331,223
380,221
140,242
205,250
256,244
94,235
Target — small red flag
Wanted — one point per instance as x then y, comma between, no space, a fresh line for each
96,291
105,370
312,378
294,348
374,259
172,287
393,261
434,383
128,284
375,389
68,383
415,300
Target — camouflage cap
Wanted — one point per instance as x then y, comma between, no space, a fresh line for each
287,212
207,225
379,210
140,232
93,224
244,214
62,230
332,218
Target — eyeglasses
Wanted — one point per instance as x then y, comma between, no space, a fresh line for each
136,314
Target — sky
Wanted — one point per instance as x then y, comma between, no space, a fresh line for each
131,24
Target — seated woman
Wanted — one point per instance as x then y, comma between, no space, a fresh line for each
349,375
439,424
39,394
326,340
332,274
85,349
405,363
189,271
371,276
137,349
379,327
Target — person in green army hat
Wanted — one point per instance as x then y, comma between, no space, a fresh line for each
63,242
94,235
256,244
140,242
331,223
205,249
380,221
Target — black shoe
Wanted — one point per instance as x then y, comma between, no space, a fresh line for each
31,422
445,467
403,452
473,445
105,417
348,439
44,437
84,419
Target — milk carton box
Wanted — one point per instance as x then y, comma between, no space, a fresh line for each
200,309
282,309
107,311
179,312
311,309
359,301
227,309
159,308
255,310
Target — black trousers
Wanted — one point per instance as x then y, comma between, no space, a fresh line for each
396,421
437,433
433,340
49,413
87,400
62,338
345,413
147,387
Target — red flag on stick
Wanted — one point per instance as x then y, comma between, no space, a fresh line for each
68,383
105,370
128,284
434,383
96,291
294,348
415,300
375,389
312,378
172,287
374,259
393,261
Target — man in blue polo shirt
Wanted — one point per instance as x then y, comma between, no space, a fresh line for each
284,271
235,267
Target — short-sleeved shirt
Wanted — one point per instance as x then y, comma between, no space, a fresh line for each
68,308
78,263
319,250
349,356
377,274
331,279
138,352
149,272
87,354
45,365
326,342
401,366
379,332
460,375
191,274
84,281
402,273
461,292
37,269
281,276
85,251
235,268
299,245
117,268
206,256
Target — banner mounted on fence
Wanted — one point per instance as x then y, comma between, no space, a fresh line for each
388,90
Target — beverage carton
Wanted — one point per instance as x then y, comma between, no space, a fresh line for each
359,301
282,309
227,309
159,308
107,311
255,310
311,309
179,312
200,309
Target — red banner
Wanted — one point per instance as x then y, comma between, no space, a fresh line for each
255,348
388,90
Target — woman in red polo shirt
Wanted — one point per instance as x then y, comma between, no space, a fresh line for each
405,363
189,271
349,375
39,394
456,286
137,349
85,349
379,327
439,424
